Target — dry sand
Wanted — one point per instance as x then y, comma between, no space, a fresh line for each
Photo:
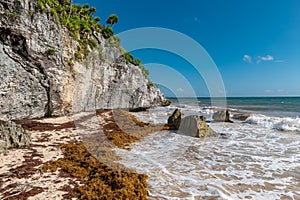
21,176
24,175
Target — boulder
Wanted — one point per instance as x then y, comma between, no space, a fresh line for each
139,109
222,116
166,103
241,116
13,136
195,126
175,119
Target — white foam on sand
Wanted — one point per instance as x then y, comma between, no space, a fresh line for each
245,162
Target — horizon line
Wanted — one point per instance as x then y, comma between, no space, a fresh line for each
292,96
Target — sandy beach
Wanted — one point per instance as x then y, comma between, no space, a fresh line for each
57,165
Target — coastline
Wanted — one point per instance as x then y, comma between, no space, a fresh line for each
63,160
60,163
250,160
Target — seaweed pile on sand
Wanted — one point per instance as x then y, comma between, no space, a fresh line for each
82,160
98,181
62,164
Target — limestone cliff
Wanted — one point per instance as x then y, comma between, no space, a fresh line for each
37,79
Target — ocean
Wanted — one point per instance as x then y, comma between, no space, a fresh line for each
253,158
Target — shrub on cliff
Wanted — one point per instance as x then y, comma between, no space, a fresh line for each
78,19
107,32
82,24
137,62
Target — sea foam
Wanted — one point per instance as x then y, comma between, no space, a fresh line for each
278,123
252,159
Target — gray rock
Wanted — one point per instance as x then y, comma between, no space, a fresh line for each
112,86
13,136
37,81
195,126
222,116
175,119
241,117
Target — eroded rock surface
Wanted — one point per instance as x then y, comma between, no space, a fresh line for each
195,126
175,119
38,80
222,116
13,136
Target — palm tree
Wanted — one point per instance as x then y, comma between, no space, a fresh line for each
112,19
93,10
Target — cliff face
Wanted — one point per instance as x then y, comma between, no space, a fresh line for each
37,79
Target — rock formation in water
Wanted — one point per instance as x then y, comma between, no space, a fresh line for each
175,119
195,126
42,73
192,125
222,116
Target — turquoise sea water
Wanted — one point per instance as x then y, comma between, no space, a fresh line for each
273,106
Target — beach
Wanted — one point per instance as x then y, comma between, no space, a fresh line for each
256,158
116,154
159,100
63,163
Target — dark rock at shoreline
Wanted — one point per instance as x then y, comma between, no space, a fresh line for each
166,103
192,125
195,126
242,116
175,119
139,109
222,116
13,136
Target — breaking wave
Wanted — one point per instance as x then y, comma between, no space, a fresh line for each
278,123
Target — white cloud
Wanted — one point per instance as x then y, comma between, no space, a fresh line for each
266,58
179,90
247,58
259,59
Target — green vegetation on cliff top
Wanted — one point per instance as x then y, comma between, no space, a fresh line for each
80,21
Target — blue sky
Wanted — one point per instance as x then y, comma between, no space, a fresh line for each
255,44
